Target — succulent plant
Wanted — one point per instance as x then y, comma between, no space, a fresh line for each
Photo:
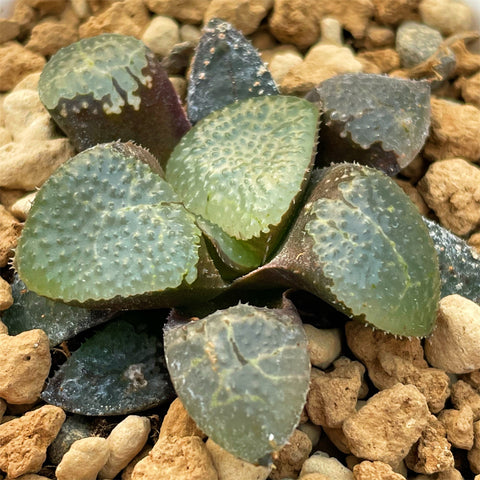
371,119
212,212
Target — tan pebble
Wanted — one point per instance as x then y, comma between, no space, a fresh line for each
431,454
6,299
128,470
32,476
262,39
25,16
392,12
26,117
161,35
84,459
315,476
455,131
403,408
244,15
390,360
282,59
5,136
181,458
30,82
470,88
9,30
314,432
3,328
10,230
474,454
180,86
453,345
320,463
21,207
129,17
53,7
3,408
16,62
414,196
324,345
25,440
125,441
26,166
379,36
459,426
385,60
472,378
415,170
321,62
450,188
81,8
337,437
289,459
332,396
354,15
190,33
187,11
50,36
474,242
375,471
463,395
178,423
230,467
9,197
25,360
447,16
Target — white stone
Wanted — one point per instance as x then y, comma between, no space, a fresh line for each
321,462
324,345
161,35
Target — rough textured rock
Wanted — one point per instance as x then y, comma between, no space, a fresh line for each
375,471
6,299
24,440
463,395
390,360
455,131
178,423
83,460
26,166
392,12
324,345
187,11
16,62
129,17
48,37
161,35
337,437
244,15
230,467
53,7
332,396
453,345
125,441
385,59
3,330
9,30
474,454
403,408
450,189
289,460
25,360
320,463
280,60
431,454
448,16
470,88
459,426
182,458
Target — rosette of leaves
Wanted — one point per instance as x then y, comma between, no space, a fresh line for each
243,375
459,263
375,120
360,244
112,87
226,68
106,230
124,364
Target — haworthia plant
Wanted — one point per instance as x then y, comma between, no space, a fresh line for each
107,230
243,375
226,68
374,120
459,263
124,365
242,171
360,244
58,320
112,87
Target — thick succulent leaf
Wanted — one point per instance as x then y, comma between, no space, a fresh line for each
107,231
124,365
459,263
360,244
374,120
58,320
243,375
112,87
226,68
243,168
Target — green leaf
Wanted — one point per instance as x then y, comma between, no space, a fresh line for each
107,231
124,369
371,119
243,375
243,168
112,87
360,244
58,320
